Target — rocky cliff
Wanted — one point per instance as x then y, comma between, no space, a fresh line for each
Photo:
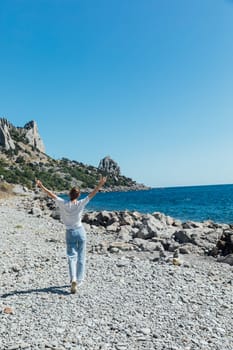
23,158
11,135
33,137
6,140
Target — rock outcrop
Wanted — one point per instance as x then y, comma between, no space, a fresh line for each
32,134
6,140
109,166
11,135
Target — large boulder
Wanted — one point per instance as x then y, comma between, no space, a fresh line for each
224,245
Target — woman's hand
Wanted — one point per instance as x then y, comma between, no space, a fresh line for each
39,183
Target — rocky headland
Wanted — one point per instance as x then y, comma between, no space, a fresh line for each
23,158
153,282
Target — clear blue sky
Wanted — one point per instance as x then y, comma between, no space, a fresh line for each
149,83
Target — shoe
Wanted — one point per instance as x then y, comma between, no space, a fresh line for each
73,288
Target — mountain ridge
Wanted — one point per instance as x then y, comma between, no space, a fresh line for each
23,158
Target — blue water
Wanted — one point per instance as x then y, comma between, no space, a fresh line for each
197,203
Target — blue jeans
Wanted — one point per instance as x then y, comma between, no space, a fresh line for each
76,252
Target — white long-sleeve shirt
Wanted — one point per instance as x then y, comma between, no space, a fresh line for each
71,213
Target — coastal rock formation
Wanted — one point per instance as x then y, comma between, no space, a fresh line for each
6,140
22,157
32,134
155,234
11,135
109,166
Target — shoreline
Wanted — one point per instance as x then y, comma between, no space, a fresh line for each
197,206
155,233
143,298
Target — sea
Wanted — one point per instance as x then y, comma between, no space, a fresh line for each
195,203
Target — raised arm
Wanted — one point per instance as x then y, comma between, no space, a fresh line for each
48,192
98,187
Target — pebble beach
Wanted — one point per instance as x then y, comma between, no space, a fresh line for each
129,300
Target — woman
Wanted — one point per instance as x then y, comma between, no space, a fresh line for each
71,214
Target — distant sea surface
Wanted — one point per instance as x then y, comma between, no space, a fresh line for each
196,203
